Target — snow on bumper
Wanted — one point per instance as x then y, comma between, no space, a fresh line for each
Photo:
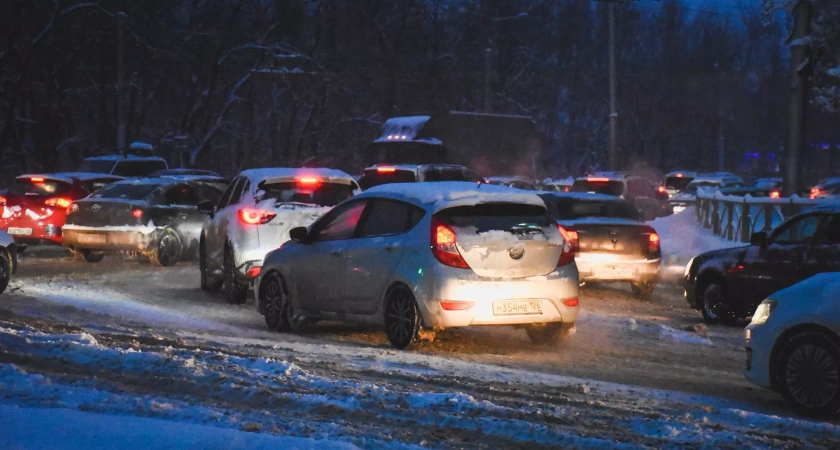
130,238
611,267
458,285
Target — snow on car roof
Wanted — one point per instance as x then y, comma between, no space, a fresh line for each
87,176
583,196
508,179
440,195
414,167
686,173
406,128
48,176
124,158
291,173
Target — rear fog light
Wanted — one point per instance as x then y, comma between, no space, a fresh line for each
571,302
456,306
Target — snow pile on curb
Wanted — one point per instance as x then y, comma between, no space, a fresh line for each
682,238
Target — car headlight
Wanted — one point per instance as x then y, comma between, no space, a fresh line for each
688,266
762,313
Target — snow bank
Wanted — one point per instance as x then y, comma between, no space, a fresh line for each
682,238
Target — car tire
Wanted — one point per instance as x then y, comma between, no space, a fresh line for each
808,375
714,305
275,302
88,256
643,290
207,284
236,292
5,270
167,250
402,318
549,333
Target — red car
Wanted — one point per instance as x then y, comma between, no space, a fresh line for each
35,207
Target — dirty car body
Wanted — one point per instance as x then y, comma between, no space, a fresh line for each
132,215
464,254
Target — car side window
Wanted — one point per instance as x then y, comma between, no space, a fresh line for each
225,200
207,192
798,231
236,195
181,195
246,186
389,217
340,223
831,231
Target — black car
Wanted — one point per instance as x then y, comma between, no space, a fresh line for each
156,217
727,285
613,244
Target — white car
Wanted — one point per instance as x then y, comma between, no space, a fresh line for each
254,216
793,345
426,255
8,259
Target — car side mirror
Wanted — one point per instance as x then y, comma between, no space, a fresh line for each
207,207
298,234
759,238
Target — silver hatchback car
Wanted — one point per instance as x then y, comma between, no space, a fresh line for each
426,255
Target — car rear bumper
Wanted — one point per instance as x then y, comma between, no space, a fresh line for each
29,232
459,285
611,267
141,240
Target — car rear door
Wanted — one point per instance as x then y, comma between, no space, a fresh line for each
319,272
216,235
374,255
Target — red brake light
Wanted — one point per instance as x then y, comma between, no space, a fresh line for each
815,192
2,200
37,179
386,169
253,272
58,202
679,175
598,179
444,247
137,213
572,302
455,305
253,216
660,189
309,181
653,243
775,194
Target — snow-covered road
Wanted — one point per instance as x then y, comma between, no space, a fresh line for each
132,341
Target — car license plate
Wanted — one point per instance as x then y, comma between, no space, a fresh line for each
92,238
19,231
613,273
514,308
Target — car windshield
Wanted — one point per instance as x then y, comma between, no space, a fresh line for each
96,166
38,187
376,177
677,183
126,191
497,216
599,186
322,194
573,209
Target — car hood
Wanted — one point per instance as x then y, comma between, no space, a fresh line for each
724,257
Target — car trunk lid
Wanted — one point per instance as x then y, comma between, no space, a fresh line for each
505,240
614,236
105,212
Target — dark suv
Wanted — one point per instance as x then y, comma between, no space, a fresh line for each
410,173
727,285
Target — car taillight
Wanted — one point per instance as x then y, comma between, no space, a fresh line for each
2,200
815,192
660,189
309,182
137,213
453,305
571,236
59,202
653,243
570,246
386,169
572,302
444,247
253,216
775,194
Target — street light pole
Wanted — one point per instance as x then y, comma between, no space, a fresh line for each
613,89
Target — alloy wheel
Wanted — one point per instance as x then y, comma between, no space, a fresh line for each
812,376
275,304
713,301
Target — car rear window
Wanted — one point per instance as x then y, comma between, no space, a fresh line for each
96,166
323,194
678,183
129,168
497,216
445,175
38,187
570,209
375,177
126,191
609,187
